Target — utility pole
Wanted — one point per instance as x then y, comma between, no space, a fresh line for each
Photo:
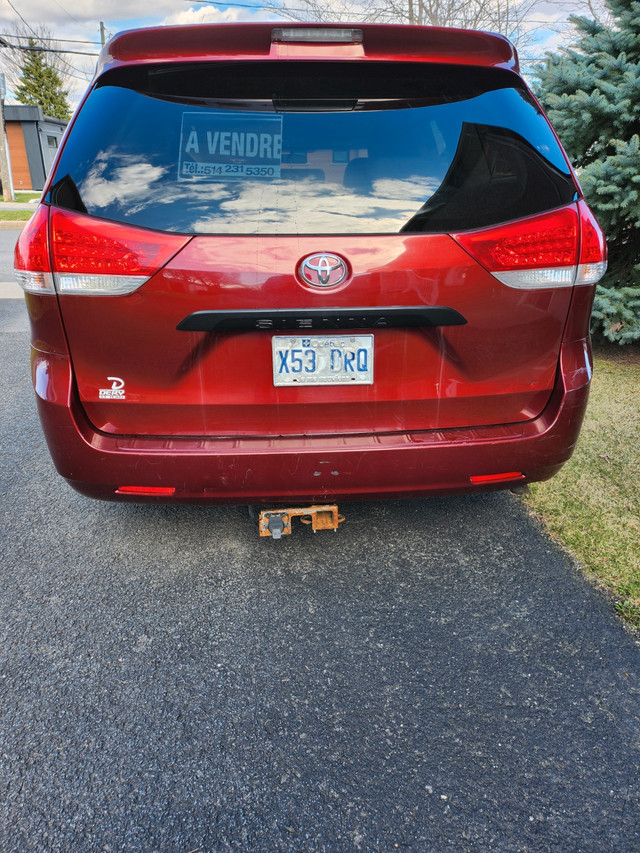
5,172
102,37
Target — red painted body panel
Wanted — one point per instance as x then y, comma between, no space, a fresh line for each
244,41
262,470
499,368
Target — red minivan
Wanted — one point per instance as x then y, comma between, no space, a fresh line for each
306,263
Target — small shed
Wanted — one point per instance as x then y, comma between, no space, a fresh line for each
33,140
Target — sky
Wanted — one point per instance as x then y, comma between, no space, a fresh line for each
80,23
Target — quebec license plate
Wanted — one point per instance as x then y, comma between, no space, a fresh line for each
323,360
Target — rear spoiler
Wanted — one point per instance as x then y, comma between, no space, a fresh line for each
393,42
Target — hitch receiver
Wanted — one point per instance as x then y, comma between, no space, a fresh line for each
277,522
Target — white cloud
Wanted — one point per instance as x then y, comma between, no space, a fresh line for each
81,24
214,15
84,19
87,14
133,180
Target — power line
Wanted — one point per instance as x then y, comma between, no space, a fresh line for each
86,76
3,43
49,38
37,49
28,26
66,11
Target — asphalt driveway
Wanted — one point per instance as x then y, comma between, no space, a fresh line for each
435,677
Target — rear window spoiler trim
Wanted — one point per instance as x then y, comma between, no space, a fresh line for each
312,319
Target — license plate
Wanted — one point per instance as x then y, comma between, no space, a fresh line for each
323,360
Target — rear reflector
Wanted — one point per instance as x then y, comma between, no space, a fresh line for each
154,491
299,35
496,478
541,251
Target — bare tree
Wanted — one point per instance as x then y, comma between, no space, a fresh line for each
13,52
508,17
598,10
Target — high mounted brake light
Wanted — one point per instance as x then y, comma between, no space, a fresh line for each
556,249
299,35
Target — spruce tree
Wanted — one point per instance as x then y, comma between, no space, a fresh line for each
41,85
591,92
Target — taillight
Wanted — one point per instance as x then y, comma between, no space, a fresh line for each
90,256
556,249
32,266
93,256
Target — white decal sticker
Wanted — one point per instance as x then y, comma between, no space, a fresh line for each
116,392
218,146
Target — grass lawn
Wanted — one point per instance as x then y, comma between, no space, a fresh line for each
15,215
26,195
593,505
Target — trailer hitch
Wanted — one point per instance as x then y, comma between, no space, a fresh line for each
277,522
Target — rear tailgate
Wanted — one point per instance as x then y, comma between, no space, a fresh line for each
497,368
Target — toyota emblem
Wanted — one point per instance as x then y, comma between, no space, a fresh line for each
323,269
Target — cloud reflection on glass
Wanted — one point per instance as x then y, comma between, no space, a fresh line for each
133,185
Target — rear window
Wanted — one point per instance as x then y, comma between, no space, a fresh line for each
311,148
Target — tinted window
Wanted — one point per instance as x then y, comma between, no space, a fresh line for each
310,148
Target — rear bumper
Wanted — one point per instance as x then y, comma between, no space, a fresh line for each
264,470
